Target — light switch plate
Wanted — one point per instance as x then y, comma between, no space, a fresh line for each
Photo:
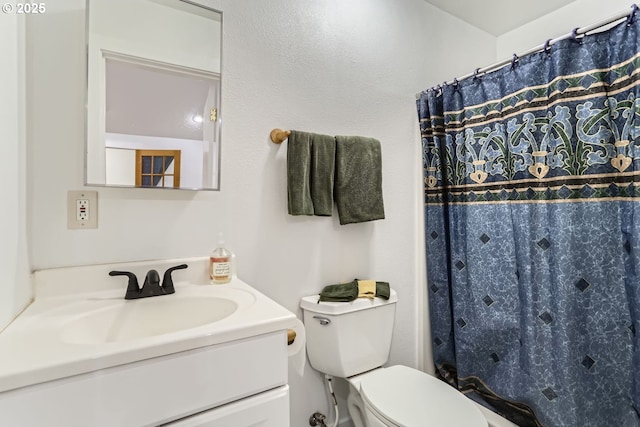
82,209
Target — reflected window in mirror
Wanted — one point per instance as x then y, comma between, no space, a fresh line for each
158,168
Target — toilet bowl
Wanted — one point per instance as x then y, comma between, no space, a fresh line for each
352,340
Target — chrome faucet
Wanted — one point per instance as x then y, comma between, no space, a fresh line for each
151,286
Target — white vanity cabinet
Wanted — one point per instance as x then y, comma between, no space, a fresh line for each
82,356
234,384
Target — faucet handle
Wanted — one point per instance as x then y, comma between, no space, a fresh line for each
167,281
132,288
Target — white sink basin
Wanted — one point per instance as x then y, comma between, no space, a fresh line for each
133,319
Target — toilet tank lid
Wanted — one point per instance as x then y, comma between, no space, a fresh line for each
313,304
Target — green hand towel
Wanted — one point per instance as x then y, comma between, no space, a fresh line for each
323,161
299,173
383,290
310,173
358,182
342,292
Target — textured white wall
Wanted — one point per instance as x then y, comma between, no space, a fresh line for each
15,291
325,66
332,67
579,13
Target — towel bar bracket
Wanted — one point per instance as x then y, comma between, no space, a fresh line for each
279,135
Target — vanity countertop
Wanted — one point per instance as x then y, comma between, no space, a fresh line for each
43,343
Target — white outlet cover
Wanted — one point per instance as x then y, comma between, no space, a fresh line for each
73,222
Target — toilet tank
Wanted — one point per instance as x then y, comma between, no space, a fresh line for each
348,338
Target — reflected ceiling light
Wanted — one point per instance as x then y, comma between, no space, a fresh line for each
197,118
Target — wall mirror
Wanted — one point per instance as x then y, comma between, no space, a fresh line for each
153,100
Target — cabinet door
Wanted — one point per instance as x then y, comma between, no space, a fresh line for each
268,409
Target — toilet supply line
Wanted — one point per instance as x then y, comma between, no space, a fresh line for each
328,378
318,418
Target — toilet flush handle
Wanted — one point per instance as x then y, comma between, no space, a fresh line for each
323,320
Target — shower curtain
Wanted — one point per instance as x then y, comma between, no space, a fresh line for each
532,228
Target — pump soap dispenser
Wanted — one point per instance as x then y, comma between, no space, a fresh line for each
220,263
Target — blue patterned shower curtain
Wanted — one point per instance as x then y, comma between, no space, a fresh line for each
532,222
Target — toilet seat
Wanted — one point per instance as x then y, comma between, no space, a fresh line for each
405,397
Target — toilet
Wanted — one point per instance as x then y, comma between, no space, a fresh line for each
352,340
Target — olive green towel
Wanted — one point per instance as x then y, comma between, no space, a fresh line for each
383,290
342,292
345,292
310,173
358,182
299,173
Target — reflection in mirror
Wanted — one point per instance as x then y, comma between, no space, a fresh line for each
153,99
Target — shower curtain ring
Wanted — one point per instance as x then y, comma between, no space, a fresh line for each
476,75
574,35
632,16
547,47
514,61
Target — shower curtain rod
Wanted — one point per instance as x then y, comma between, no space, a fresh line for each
576,32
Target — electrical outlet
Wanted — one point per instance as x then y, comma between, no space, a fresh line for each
82,209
